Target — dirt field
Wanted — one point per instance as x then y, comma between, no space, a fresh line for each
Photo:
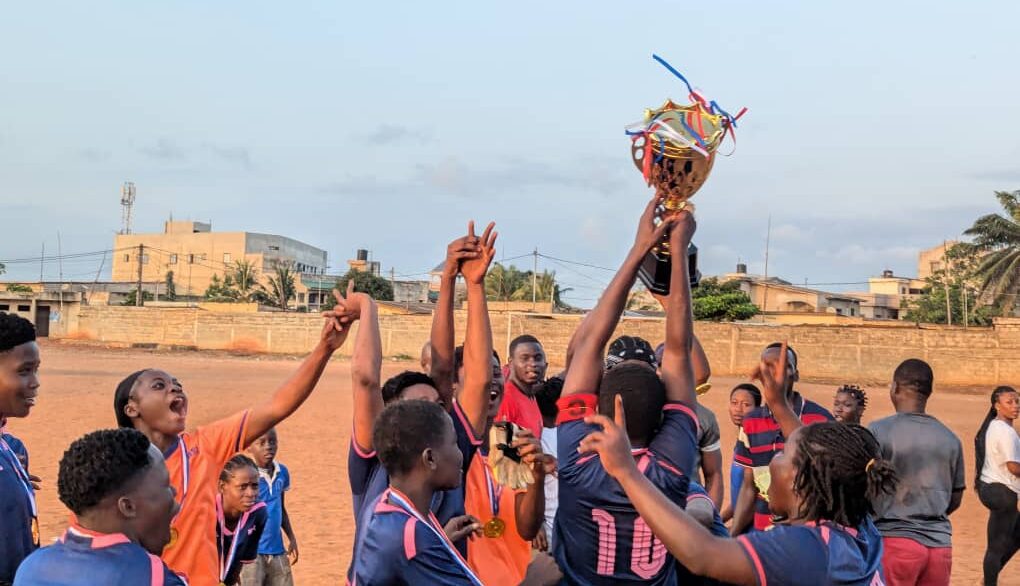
77,396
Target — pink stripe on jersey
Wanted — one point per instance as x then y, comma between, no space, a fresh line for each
586,459
475,441
825,534
385,507
669,467
685,409
360,452
410,549
758,568
156,571
693,496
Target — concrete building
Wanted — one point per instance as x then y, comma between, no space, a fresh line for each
933,260
49,308
773,295
195,253
887,295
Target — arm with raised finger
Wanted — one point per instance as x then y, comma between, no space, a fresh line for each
474,391
442,337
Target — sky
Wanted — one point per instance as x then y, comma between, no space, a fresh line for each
874,130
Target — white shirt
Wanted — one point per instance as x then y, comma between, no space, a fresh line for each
1001,445
552,482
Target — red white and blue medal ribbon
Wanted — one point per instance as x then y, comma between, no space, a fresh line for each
495,490
19,470
399,499
228,560
182,447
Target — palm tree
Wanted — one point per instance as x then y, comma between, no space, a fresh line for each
281,286
997,240
246,280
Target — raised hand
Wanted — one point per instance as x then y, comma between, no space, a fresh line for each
773,375
649,233
682,230
349,308
612,443
529,448
461,249
474,269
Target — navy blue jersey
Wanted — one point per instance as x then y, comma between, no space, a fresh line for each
240,545
369,480
85,558
684,577
19,528
822,553
399,548
599,537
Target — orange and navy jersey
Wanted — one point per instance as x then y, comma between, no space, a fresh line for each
598,536
86,558
497,560
241,545
399,546
761,438
195,463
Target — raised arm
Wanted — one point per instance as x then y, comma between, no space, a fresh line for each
443,336
585,371
677,365
474,390
689,542
296,389
366,365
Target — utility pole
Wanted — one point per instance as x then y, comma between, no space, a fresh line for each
60,268
42,259
765,283
138,292
393,282
949,307
534,282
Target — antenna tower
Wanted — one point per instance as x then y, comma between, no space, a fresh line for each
127,201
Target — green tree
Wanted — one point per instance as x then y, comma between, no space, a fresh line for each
501,282
3,269
931,308
246,280
221,290
133,296
171,288
377,287
715,301
18,288
997,241
281,286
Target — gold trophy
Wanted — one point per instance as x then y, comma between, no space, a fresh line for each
674,147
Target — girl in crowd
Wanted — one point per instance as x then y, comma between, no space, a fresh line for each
849,403
997,449
744,398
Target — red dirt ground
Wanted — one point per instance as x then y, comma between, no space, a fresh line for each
76,397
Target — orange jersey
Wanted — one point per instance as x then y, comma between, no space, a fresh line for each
195,463
500,560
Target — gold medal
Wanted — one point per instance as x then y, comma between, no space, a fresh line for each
173,538
35,531
494,528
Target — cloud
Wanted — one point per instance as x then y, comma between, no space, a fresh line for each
94,155
390,134
362,185
238,155
1003,175
863,254
164,149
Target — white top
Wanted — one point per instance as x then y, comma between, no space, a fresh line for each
552,482
1001,445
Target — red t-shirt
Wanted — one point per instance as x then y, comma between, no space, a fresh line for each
520,409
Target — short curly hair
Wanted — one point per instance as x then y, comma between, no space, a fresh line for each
395,386
15,331
99,464
404,430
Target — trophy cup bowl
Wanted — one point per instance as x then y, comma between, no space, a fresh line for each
674,148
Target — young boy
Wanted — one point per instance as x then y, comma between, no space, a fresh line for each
272,567
118,487
153,402
599,538
19,388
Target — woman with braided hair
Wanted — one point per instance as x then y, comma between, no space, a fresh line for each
824,484
997,453
849,404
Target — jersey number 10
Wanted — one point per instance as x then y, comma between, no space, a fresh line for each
647,555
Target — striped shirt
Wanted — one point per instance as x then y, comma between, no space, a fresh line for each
760,440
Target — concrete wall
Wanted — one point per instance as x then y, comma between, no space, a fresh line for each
857,353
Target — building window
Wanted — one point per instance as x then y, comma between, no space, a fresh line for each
173,259
201,256
191,259
274,248
127,258
839,311
5,307
226,258
903,290
24,308
145,259
852,312
301,297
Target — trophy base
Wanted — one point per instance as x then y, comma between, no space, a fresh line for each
656,267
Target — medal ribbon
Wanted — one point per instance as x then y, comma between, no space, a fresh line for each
182,447
225,563
26,483
495,490
399,499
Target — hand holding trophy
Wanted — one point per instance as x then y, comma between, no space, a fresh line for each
674,147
